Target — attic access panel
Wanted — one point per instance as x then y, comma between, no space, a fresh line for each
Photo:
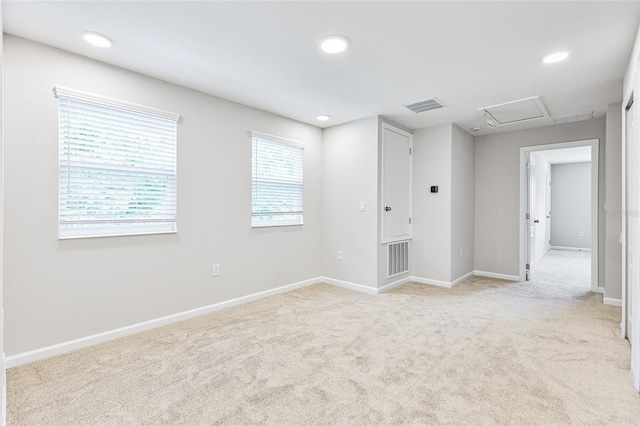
517,111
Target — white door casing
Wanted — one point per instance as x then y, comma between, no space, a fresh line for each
547,209
524,228
530,216
633,242
397,146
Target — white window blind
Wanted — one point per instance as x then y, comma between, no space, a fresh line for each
117,167
276,181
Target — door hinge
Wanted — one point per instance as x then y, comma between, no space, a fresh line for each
528,266
527,216
529,166
409,221
409,151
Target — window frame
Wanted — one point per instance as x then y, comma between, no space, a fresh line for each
115,227
299,221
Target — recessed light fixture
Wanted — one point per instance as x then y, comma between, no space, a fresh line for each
334,44
476,129
323,117
555,57
96,39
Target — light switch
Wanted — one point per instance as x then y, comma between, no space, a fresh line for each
363,206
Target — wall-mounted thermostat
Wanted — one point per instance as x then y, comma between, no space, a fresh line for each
434,189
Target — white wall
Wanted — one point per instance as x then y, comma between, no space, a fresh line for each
431,245
3,399
350,160
571,205
497,164
61,290
462,202
542,171
613,201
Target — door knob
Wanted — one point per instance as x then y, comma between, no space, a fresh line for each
536,221
387,209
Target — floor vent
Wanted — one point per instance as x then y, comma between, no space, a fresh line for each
425,105
397,258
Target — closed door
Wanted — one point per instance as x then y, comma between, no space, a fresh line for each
396,184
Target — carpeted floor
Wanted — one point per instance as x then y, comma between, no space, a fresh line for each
485,352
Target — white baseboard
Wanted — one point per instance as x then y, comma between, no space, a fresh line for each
349,285
462,278
498,276
543,253
429,281
49,351
394,284
612,302
570,248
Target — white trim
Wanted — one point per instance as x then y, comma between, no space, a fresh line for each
349,285
391,128
446,284
429,281
570,248
59,348
394,284
600,290
497,276
273,138
612,302
594,144
543,253
462,278
65,92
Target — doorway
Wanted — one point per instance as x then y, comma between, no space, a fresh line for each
537,215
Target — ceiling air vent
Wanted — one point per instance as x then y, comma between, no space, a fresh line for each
573,118
425,105
516,111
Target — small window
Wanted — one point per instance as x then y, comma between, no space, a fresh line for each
117,167
276,181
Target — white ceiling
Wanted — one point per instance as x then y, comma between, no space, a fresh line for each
265,54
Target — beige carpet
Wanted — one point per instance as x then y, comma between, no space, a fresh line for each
485,352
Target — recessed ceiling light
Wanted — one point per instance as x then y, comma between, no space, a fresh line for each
334,44
476,129
555,57
323,117
97,39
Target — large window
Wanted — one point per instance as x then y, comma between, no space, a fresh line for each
117,167
276,181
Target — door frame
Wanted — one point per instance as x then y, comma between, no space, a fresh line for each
634,306
595,179
387,126
530,246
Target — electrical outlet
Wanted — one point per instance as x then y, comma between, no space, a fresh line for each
460,253
581,234
216,270
339,254
363,206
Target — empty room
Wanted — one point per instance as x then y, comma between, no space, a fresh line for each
319,212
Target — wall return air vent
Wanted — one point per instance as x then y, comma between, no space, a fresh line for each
424,105
515,111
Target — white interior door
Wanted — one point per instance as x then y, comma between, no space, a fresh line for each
396,184
547,209
530,218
